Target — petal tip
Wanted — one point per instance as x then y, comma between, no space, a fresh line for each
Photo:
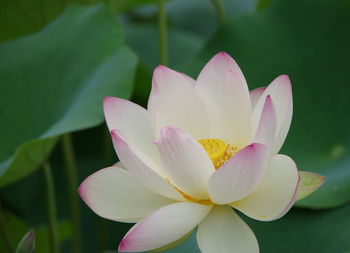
285,80
222,56
106,99
82,191
122,245
159,69
223,53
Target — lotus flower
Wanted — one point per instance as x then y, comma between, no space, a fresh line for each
201,149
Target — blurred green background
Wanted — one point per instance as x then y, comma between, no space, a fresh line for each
58,59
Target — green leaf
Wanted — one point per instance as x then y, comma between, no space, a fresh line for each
24,17
312,47
27,244
304,230
262,4
126,5
308,183
53,82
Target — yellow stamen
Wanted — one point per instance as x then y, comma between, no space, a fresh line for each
218,150
189,198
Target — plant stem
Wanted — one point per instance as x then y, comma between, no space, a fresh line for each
71,172
163,33
219,8
51,208
5,232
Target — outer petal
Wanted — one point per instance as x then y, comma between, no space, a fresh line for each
114,194
276,193
222,231
223,89
281,94
133,122
163,226
141,171
255,95
174,101
266,131
309,182
239,176
236,110
185,161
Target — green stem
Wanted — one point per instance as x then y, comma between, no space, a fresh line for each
219,8
5,232
51,208
71,172
163,33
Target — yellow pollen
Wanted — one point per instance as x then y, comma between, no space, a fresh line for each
218,150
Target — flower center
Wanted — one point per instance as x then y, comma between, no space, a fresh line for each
218,150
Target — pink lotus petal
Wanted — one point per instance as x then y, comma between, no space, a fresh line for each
239,176
163,227
280,92
223,89
151,177
185,161
266,131
255,95
235,110
276,193
114,194
224,231
174,101
133,122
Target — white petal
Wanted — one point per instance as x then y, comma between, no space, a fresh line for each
185,161
114,194
276,193
174,101
236,110
255,95
239,176
281,94
133,122
266,131
223,231
163,226
151,178
213,76
223,88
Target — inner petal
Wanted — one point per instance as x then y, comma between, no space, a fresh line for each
218,150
